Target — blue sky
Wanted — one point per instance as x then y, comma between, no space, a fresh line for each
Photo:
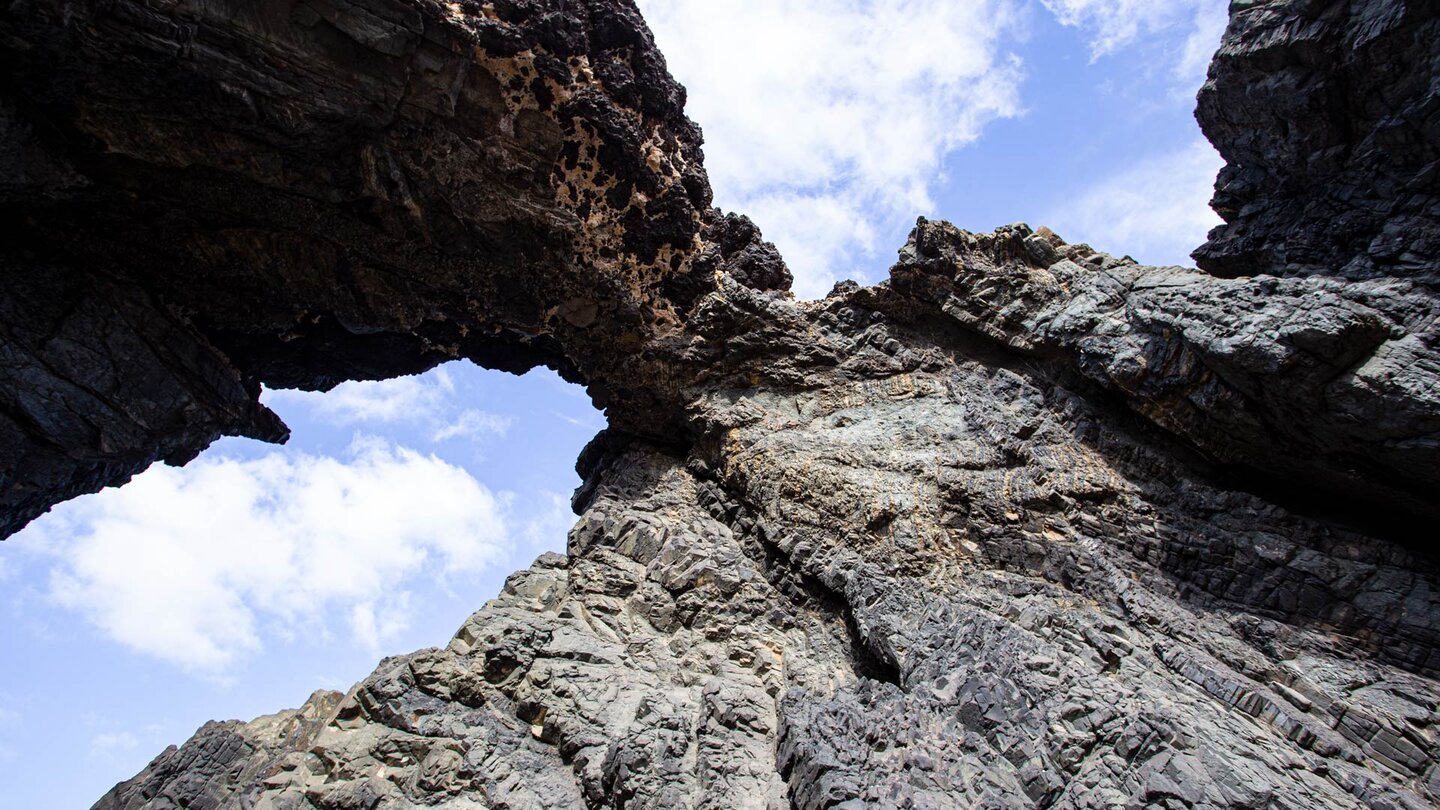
237,585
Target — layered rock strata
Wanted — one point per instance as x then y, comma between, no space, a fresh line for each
1025,525
909,570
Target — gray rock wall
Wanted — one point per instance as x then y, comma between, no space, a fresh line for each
1025,525
934,580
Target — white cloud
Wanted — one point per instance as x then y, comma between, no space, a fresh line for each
1211,17
472,424
373,629
593,423
1115,24
827,120
111,743
550,522
195,565
1156,211
427,399
399,399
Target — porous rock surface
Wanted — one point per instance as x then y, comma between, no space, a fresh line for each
1025,525
202,197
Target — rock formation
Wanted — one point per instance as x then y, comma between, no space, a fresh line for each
1326,116
207,197
1025,525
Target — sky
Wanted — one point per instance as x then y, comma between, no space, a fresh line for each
238,584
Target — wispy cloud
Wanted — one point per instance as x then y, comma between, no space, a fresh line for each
1113,25
400,399
1156,211
375,621
827,120
472,424
592,423
199,565
427,400
549,522
1209,21
112,743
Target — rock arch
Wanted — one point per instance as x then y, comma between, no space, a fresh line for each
976,534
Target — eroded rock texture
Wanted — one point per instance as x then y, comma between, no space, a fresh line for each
1025,525
901,569
300,193
1327,116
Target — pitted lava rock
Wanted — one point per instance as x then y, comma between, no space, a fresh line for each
310,192
1025,525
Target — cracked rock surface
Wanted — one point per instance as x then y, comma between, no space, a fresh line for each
1328,120
937,580
1025,525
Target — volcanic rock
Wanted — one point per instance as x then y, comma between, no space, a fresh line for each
1025,525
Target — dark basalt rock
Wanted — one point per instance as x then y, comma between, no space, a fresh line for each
1025,525
333,191
1318,380
1329,122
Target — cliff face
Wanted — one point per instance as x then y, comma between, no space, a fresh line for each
1327,117
1024,525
